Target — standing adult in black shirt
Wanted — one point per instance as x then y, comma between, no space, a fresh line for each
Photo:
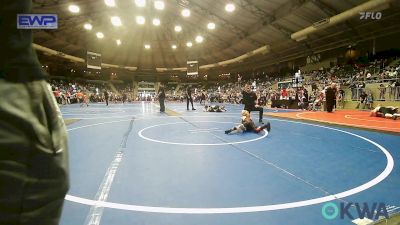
189,97
363,99
306,97
124,97
161,98
33,137
249,101
203,97
106,96
330,96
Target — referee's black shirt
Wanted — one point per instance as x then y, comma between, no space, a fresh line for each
249,99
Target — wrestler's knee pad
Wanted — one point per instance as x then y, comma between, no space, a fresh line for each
241,128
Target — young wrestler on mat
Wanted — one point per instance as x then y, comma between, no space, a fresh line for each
248,125
214,108
389,112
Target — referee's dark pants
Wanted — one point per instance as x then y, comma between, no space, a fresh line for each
189,98
254,108
162,104
33,154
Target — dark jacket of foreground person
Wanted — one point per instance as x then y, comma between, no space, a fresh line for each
33,138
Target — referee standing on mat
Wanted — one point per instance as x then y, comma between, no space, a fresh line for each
189,97
106,96
249,101
161,98
33,138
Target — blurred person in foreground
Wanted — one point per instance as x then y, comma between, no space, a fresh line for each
33,138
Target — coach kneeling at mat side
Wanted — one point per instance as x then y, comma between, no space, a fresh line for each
249,101
330,96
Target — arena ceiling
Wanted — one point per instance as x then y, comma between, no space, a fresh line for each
267,26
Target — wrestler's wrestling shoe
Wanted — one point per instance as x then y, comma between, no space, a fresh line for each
230,130
267,126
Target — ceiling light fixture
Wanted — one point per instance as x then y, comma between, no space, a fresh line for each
173,46
140,3
74,8
199,39
116,21
211,26
88,26
189,44
147,46
230,7
140,20
185,12
110,3
159,5
178,28
118,42
100,35
156,22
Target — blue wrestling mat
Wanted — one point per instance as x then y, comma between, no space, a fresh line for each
131,164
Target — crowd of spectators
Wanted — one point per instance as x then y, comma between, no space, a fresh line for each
309,94
69,92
